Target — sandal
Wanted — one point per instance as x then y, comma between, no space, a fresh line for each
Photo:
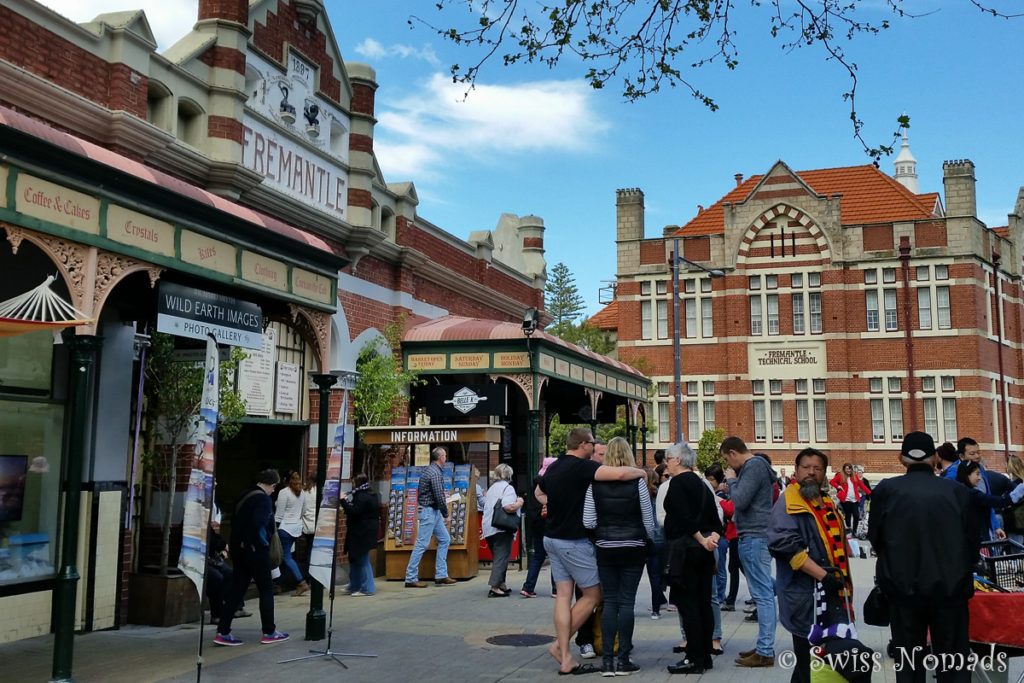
580,670
496,594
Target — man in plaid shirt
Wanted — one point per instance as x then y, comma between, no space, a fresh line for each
431,513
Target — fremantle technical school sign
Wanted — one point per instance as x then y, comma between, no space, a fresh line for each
193,313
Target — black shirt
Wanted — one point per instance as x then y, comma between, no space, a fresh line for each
690,507
565,482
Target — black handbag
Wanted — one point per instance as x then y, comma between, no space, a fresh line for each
876,608
502,520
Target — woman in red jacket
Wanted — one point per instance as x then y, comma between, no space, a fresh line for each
849,489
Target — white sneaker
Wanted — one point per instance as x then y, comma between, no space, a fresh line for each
655,615
587,651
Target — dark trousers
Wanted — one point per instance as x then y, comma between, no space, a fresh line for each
654,576
693,598
948,628
851,511
618,585
734,571
536,563
585,636
250,566
218,578
802,669
501,550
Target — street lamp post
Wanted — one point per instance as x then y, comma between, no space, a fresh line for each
676,336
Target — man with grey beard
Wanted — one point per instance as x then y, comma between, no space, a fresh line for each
806,534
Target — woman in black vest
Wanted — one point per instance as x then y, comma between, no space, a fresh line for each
622,518
692,530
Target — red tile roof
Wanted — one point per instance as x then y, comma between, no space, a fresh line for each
1003,231
868,196
607,318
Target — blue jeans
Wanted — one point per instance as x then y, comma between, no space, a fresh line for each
654,576
360,575
757,567
619,585
536,564
429,522
289,563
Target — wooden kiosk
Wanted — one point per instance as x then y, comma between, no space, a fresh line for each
460,484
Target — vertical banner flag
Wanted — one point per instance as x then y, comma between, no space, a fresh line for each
199,498
321,557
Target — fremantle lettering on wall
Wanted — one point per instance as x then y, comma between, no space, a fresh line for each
193,313
295,138
786,360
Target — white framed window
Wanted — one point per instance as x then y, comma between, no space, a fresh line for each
886,409
891,319
924,308
775,386
896,420
940,419
755,316
662,318
692,421
871,276
757,387
798,313
877,420
690,306
803,422
691,388
942,308
696,305
662,388
777,436
755,282
871,306
819,386
709,415
661,287
815,306
820,423
796,280
709,388
875,385
645,288
773,314
888,275
894,385
760,426
814,279
645,320
800,386
664,435
771,281
941,272
923,273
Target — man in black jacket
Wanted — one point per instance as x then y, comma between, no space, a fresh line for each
252,529
924,530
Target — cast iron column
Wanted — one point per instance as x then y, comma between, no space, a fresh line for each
83,350
316,618
533,458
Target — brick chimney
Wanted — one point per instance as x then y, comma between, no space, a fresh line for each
231,10
629,228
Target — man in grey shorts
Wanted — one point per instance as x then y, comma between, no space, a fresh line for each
563,489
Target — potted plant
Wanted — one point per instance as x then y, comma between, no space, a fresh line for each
171,411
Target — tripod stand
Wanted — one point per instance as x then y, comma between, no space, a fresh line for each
328,652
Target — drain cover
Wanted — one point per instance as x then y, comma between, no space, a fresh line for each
521,639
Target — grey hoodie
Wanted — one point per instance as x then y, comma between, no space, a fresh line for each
752,492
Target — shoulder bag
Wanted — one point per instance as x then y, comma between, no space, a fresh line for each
876,608
502,520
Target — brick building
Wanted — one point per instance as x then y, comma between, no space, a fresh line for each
853,309
238,162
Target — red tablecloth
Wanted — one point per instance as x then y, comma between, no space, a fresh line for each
997,618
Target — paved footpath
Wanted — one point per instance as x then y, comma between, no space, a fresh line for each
432,634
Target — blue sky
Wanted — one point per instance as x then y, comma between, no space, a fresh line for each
530,140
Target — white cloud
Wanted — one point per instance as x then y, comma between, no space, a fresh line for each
419,132
168,19
372,49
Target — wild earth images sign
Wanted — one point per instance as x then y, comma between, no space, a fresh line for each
193,313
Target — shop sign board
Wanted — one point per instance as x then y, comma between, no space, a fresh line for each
256,376
57,204
287,394
456,400
194,313
139,230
